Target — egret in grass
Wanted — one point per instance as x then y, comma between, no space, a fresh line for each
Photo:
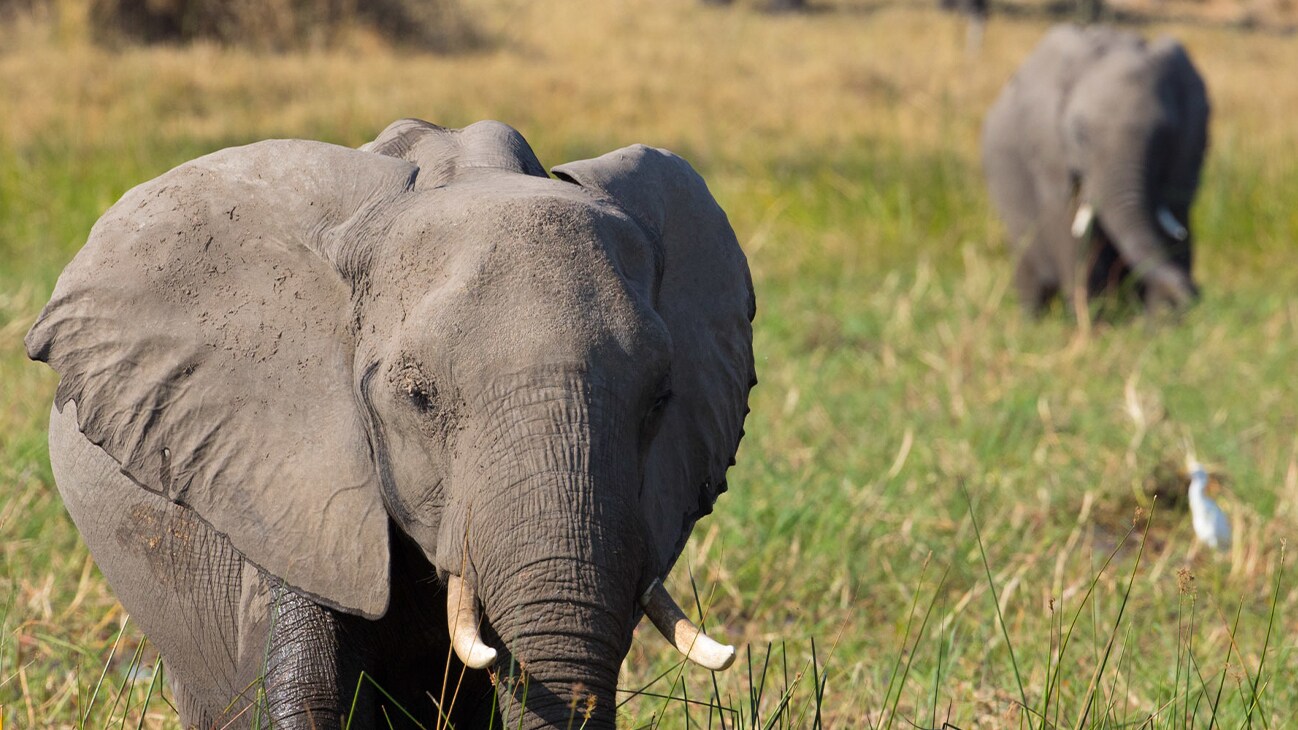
1210,523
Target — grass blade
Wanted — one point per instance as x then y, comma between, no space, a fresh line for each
996,600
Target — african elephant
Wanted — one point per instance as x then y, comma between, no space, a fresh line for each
1092,154
400,411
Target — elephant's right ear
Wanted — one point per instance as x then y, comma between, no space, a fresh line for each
205,334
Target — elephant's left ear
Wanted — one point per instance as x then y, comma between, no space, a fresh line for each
706,300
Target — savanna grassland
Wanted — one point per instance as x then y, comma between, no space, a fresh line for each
932,484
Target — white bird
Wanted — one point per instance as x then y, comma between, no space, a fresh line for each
1210,523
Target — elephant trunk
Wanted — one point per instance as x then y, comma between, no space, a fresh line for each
1138,227
559,582
564,688
548,532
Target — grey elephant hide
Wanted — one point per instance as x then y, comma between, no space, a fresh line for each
298,354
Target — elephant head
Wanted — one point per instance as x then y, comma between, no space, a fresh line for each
541,382
1135,128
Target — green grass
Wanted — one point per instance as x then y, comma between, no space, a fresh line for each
930,359
894,363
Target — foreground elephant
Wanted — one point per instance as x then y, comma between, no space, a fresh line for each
1092,154
322,409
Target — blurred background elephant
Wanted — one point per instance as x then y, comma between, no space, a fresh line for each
400,410
1092,154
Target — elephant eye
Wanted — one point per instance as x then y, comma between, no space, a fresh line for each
421,399
661,402
664,390
417,388
653,417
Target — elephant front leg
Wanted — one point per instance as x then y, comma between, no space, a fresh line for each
308,681
1035,279
1106,269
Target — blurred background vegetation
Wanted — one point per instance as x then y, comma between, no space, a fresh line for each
894,363
434,25
443,26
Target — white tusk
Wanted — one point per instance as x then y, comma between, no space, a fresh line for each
462,621
1082,223
688,639
1170,224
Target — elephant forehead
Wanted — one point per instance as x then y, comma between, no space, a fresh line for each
526,266
504,225
489,203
